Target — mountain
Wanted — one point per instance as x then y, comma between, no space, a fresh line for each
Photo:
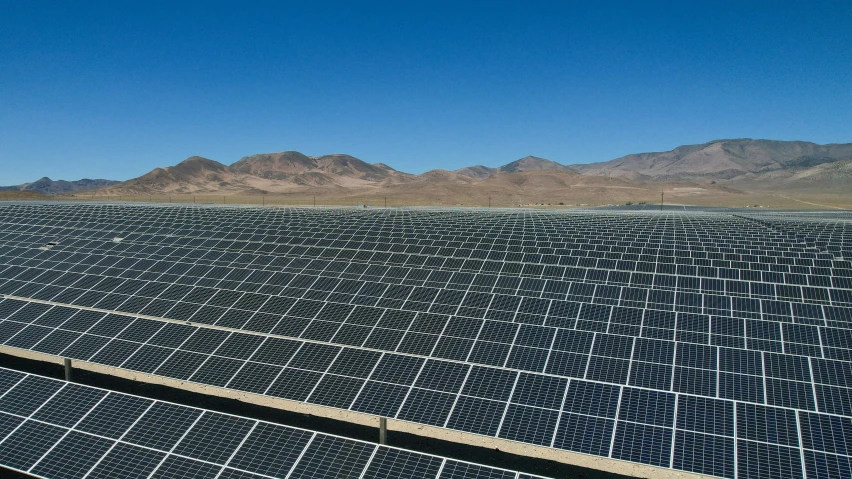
446,176
825,176
289,165
190,175
528,163
725,160
477,172
737,163
49,187
532,163
291,170
274,165
733,172
261,173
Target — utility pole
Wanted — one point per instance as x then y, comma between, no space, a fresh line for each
386,201
661,201
315,201
489,201
223,200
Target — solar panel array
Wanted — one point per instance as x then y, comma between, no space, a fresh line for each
823,232
59,430
704,342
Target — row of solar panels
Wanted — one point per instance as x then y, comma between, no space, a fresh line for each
526,266
410,216
59,430
595,269
664,276
656,418
319,314
578,354
529,345
276,276
631,423
601,237
657,245
598,254
228,274
148,279
407,219
831,236
338,288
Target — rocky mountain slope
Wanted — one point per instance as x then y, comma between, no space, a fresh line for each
725,160
50,187
826,176
528,163
261,173
724,167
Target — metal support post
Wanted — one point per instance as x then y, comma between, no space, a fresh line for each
68,369
383,430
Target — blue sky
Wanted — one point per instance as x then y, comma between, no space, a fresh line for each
114,89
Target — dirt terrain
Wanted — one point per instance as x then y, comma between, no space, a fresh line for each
573,196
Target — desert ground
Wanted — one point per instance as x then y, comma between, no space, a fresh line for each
579,197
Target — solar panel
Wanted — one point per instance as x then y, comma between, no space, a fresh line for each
555,329
80,431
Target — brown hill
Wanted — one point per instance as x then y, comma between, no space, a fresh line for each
51,187
823,176
527,163
730,172
349,166
279,172
289,165
532,163
539,187
193,174
274,165
11,195
477,172
436,176
718,160
447,187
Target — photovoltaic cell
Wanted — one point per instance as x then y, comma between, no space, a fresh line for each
196,444
701,308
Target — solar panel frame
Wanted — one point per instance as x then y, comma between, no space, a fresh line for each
768,318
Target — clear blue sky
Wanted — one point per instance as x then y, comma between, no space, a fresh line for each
114,89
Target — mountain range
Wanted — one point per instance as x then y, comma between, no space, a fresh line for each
737,160
50,187
723,165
